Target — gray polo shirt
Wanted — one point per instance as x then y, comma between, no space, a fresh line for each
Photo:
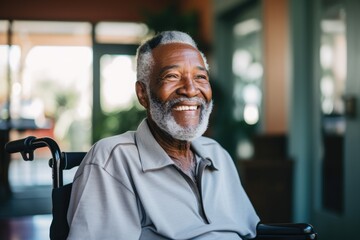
127,187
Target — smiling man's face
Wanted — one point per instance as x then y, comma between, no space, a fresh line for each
180,92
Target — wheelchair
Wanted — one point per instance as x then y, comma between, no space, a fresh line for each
61,193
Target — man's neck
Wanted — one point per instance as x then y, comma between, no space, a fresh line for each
178,150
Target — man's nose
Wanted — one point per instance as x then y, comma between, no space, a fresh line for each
189,87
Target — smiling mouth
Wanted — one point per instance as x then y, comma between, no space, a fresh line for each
185,108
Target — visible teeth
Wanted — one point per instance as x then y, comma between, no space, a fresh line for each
185,108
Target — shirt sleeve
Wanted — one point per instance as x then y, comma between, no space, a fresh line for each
101,207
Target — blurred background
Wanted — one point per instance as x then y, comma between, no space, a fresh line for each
285,82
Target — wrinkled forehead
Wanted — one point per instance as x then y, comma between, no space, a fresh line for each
176,51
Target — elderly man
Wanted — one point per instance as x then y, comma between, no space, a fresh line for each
163,181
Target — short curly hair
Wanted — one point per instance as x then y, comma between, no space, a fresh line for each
145,59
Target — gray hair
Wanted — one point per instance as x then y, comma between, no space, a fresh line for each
145,59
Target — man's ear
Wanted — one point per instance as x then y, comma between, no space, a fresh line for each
142,94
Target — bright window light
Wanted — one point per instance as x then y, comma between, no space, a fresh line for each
251,114
121,32
117,82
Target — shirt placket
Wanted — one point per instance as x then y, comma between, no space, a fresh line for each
196,187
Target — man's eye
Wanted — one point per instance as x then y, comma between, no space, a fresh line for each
201,77
171,77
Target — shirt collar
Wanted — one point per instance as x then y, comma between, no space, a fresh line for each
153,156
199,145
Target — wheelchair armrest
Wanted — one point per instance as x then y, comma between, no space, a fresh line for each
288,231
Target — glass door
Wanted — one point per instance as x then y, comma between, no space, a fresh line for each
332,89
337,212
115,106
45,91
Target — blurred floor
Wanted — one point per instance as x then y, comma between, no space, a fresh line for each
27,214
25,228
25,201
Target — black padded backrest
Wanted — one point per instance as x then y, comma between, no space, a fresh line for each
59,227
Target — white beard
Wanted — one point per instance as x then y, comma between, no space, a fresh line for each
161,115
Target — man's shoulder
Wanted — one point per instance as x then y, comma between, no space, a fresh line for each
109,143
103,150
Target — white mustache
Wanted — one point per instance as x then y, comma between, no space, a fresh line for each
198,100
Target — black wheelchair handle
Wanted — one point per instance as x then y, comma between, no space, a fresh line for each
72,159
26,147
286,228
69,160
21,145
